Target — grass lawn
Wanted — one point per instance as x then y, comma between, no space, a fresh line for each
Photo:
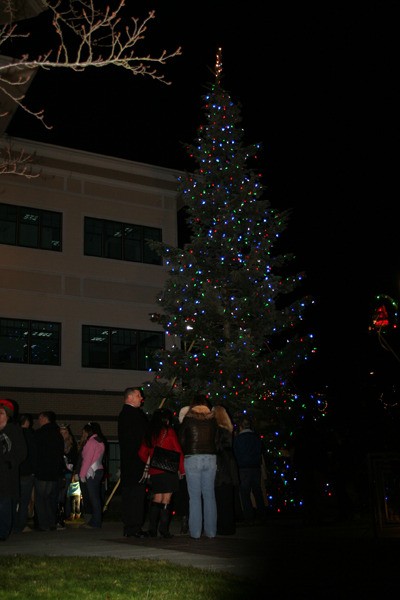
77,578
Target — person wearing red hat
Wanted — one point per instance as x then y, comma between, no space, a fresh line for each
12,453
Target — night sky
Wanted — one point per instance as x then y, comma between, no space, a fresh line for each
319,88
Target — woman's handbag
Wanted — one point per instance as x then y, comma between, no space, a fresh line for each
166,460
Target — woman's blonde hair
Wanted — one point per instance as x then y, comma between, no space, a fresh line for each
222,418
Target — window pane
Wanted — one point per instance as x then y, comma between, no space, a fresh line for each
95,347
152,233
113,240
33,342
29,222
133,243
123,349
117,348
8,224
14,335
113,460
121,241
149,343
30,227
149,255
51,231
45,343
93,237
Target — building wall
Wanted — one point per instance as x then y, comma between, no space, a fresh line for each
74,289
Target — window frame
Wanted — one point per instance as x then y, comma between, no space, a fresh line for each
133,353
120,241
29,349
30,227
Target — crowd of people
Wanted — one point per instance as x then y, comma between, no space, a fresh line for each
49,479
216,482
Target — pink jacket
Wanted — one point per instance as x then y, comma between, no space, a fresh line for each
92,456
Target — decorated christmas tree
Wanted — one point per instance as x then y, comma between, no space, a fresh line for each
230,304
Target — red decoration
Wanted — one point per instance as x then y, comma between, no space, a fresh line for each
381,317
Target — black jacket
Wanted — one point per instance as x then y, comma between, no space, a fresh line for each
12,453
227,469
28,466
132,425
197,433
247,447
50,452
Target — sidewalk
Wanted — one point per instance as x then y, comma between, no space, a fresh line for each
280,554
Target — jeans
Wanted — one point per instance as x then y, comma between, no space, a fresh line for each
200,472
46,503
93,485
7,511
26,487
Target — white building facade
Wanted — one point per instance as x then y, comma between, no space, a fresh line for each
78,281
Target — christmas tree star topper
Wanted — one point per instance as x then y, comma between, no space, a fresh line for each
218,64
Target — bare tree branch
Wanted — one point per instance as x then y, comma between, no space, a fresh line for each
87,37
89,33
17,163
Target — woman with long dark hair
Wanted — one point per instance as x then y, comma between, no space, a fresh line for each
70,460
163,483
92,470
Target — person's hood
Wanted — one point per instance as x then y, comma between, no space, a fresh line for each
182,413
200,412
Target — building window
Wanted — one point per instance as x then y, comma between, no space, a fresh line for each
113,461
115,348
121,241
30,227
30,342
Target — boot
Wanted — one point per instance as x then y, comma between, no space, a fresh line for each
70,518
154,517
164,522
185,525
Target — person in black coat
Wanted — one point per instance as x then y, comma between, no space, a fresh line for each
26,474
227,477
132,425
248,451
49,471
12,453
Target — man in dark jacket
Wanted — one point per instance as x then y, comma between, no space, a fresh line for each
132,425
12,453
49,470
247,448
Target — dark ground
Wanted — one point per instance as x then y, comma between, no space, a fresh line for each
280,556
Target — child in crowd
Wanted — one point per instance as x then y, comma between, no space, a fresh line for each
75,495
